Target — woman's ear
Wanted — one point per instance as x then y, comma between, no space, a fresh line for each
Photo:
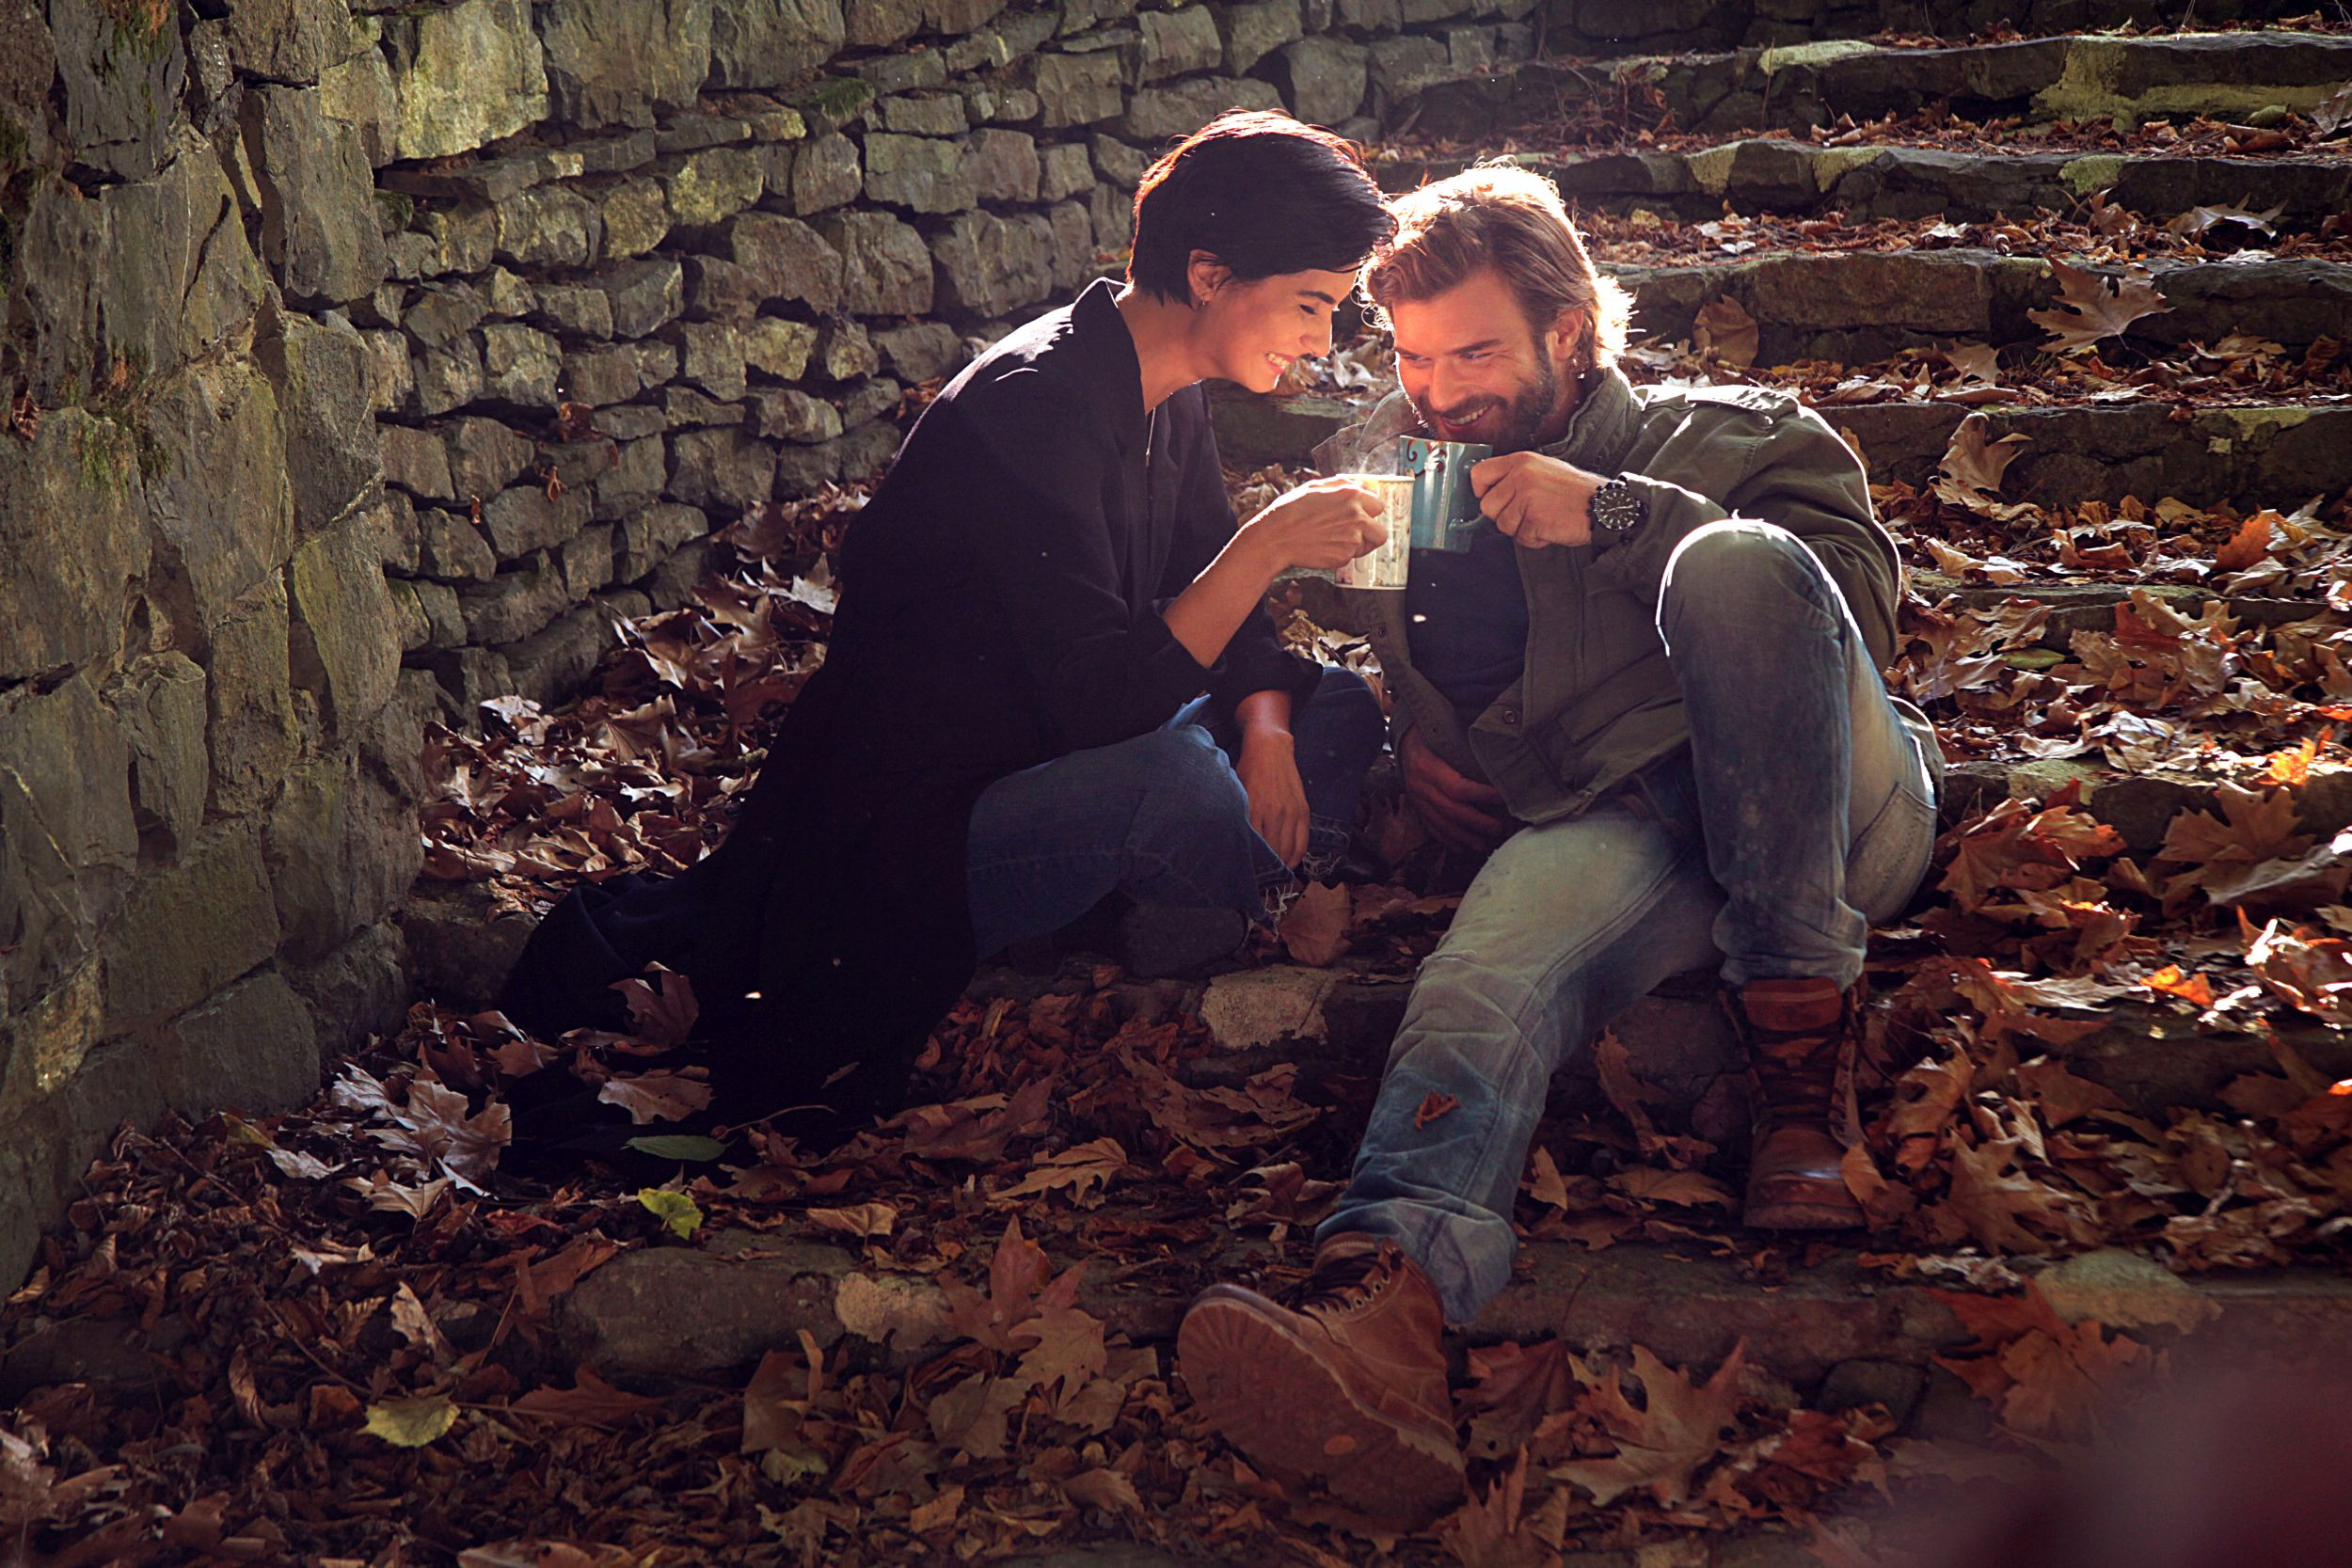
1203,275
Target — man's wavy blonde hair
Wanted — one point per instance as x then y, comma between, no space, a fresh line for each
1509,218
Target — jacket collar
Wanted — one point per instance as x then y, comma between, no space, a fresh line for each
1113,370
1602,428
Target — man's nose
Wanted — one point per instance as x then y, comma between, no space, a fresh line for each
1445,387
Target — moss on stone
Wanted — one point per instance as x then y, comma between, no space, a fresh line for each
836,100
108,454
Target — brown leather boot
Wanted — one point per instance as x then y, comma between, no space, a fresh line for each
1350,1387
1797,1033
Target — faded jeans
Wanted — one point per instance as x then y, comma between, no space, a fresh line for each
1162,817
1801,810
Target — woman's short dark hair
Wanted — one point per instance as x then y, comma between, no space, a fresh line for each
1263,194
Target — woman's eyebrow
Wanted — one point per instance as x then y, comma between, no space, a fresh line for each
1317,293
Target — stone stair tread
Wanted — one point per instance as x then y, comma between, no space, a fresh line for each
2254,454
1812,83
710,1311
1891,180
1863,306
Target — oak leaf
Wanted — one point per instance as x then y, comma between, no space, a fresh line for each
1500,1530
1679,1427
2093,308
1081,1173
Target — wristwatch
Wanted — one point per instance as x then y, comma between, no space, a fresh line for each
1618,510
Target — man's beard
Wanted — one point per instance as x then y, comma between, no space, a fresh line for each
1523,416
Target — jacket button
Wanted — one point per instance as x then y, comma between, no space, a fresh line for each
1510,716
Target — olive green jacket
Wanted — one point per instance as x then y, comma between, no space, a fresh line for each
1597,701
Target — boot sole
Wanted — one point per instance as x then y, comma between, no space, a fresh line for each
1236,1358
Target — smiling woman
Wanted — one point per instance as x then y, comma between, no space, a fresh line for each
1051,676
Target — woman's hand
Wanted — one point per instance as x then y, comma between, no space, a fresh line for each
1324,523
1268,770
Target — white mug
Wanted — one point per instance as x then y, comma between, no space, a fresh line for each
1383,568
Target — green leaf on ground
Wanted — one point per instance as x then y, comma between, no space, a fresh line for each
679,1146
674,1210
411,1423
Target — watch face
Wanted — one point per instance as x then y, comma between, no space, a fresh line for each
1615,507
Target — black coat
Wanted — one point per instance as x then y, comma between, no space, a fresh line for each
1000,607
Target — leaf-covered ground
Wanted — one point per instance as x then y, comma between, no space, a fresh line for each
328,1336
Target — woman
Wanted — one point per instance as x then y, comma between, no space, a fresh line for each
1052,673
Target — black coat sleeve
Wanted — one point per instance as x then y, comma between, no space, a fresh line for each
1254,659
1036,493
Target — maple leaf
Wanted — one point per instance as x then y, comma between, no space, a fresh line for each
1315,927
1500,1531
661,1096
1080,1172
1020,1285
1068,1353
1679,1428
1688,1188
665,1017
1104,1489
2093,307
2253,827
1724,332
438,1128
1970,475
971,1416
2249,545
2046,1376
590,1401
976,1129
1512,1387
1281,1195
872,1221
1990,1200
1977,362
1434,1106
1927,1097
2015,845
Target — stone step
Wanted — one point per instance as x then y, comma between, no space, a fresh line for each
2278,454
1584,28
2151,1057
1861,307
1792,87
1770,174
2076,605
1827,1332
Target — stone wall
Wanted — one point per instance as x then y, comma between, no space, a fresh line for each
206,781
732,235
364,362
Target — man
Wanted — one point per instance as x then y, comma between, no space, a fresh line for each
1654,692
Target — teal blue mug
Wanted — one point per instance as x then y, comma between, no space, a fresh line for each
1445,504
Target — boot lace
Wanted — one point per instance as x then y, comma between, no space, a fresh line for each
1348,1280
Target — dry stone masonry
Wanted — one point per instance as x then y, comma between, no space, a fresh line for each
731,237
298,294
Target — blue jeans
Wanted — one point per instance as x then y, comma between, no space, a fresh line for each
1801,810
1162,817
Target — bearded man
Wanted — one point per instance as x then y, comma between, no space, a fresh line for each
1652,690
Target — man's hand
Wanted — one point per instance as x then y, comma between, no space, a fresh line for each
1460,812
1535,500
1268,771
